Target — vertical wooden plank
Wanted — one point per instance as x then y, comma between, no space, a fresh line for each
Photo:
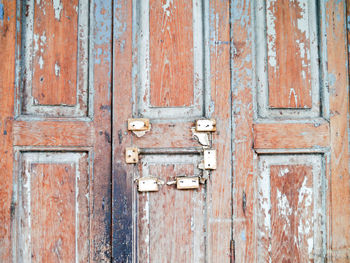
219,190
122,191
102,72
55,52
171,53
339,105
242,110
288,46
7,79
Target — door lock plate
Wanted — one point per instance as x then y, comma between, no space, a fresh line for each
148,184
138,124
208,125
131,155
210,159
183,183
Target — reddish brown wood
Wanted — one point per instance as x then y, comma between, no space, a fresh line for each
243,162
291,135
53,133
291,212
289,69
171,53
7,78
171,217
122,180
55,52
219,187
53,211
168,135
339,106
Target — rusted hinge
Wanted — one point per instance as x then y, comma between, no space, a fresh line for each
232,251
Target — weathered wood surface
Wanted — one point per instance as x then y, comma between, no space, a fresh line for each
55,54
65,204
288,44
122,174
171,53
242,127
291,135
7,79
338,75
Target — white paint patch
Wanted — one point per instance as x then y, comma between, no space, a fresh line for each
283,172
292,92
41,62
305,193
283,206
36,43
166,7
271,34
43,39
57,6
57,70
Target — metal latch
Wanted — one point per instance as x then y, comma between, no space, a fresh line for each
208,125
139,126
185,182
148,184
132,155
210,159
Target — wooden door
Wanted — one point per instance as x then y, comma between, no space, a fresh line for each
274,76
55,150
168,69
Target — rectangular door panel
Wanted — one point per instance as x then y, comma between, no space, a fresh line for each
170,50
289,64
52,65
171,223
53,222
291,211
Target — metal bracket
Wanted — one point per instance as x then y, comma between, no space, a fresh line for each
131,155
139,126
185,182
207,125
148,184
210,159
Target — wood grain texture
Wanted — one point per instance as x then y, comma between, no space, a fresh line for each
219,187
55,52
53,133
291,135
339,106
122,174
171,222
102,104
168,135
288,44
7,78
291,212
171,53
242,110
53,215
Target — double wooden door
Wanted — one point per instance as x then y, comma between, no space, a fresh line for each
272,74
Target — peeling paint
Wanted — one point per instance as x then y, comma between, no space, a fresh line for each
2,12
57,69
57,6
166,7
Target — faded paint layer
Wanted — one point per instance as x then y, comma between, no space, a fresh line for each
288,45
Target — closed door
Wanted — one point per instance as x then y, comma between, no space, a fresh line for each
55,131
100,102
